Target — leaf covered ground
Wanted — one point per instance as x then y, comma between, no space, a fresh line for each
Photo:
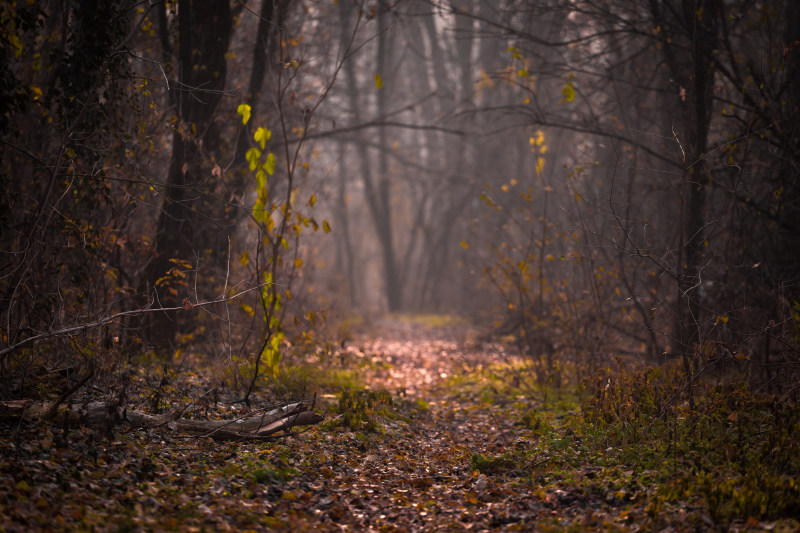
446,435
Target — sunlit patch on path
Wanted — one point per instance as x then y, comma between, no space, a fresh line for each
407,355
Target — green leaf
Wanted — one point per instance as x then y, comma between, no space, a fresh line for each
261,136
244,110
378,81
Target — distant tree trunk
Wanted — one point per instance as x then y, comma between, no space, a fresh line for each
344,251
166,45
394,292
203,36
376,189
457,156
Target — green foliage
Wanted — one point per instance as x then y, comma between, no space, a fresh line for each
273,475
360,409
757,494
631,400
492,465
536,423
735,451
279,226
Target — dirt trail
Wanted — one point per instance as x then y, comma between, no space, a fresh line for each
416,357
417,475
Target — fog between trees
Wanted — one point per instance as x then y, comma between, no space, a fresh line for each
588,178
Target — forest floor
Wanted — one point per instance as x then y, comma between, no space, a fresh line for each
458,448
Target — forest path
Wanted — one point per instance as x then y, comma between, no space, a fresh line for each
451,453
418,473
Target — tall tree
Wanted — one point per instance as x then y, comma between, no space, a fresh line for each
203,36
376,181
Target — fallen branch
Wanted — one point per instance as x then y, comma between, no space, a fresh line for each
106,415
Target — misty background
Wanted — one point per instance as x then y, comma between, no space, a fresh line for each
585,178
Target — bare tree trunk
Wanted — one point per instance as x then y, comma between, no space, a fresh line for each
376,188
392,285
204,33
694,71
344,252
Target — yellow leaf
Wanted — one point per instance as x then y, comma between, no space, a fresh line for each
247,309
312,200
378,81
298,262
465,245
261,136
326,227
269,164
244,110
245,258
569,92
539,165
252,156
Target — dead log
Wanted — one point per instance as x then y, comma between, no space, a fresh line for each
106,415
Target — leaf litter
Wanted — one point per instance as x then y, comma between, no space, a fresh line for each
448,450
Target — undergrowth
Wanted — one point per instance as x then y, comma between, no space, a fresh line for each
730,452
733,450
